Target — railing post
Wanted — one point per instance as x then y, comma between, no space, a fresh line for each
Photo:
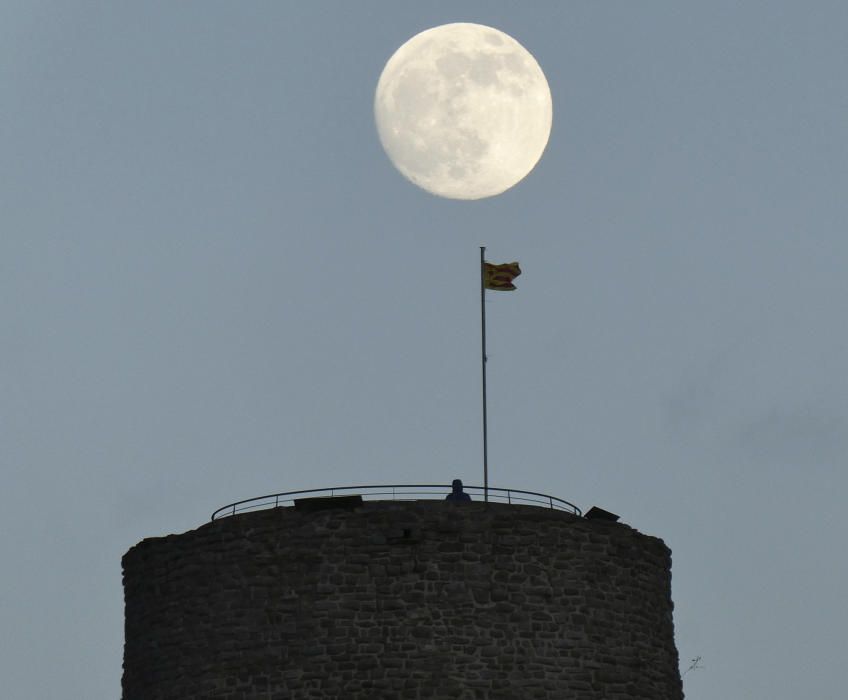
509,496
551,501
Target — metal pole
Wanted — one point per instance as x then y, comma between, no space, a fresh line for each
483,336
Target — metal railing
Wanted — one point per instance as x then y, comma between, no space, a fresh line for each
399,492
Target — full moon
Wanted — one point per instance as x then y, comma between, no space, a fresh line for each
463,111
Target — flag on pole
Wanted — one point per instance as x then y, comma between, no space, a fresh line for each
499,277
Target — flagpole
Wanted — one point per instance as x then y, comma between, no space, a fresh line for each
483,337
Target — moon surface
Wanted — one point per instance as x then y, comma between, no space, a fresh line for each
463,111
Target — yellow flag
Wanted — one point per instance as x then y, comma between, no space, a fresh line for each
499,277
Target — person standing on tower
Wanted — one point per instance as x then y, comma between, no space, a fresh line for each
457,494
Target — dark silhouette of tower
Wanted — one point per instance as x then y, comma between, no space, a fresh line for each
401,599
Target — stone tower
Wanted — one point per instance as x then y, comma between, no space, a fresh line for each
401,599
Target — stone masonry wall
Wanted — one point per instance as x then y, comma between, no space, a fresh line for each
400,600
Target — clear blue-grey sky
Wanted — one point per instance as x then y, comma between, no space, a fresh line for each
214,285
